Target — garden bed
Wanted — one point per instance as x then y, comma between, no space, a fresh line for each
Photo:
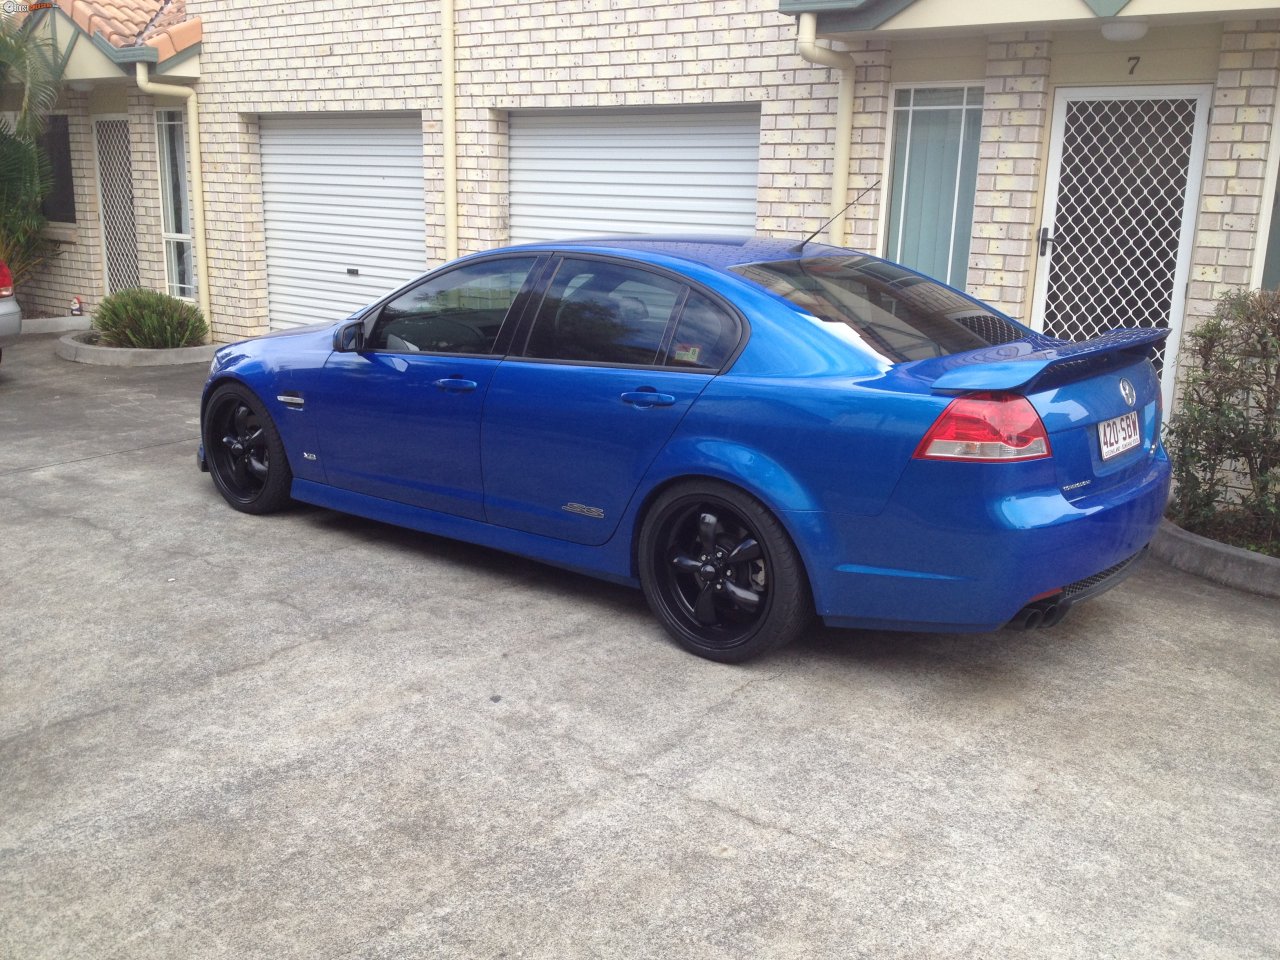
1219,562
85,348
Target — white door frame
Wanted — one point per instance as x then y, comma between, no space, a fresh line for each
1202,94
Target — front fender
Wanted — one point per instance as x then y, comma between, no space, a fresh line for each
268,372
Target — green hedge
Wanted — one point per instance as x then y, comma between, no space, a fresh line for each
1225,439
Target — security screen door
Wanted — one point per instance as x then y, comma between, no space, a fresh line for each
115,196
1120,212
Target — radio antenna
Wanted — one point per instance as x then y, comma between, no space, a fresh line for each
799,247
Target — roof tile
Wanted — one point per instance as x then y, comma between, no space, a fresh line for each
161,24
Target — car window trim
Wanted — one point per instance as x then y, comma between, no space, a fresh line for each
663,356
673,321
518,324
700,371
510,318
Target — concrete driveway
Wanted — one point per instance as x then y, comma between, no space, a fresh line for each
316,736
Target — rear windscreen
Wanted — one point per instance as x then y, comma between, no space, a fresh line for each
898,314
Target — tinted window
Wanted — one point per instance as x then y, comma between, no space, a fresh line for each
59,204
894,312
458,312
704,337
604,313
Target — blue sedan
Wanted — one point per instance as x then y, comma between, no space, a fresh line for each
752,431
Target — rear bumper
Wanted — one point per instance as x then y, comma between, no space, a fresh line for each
969,561
1052,610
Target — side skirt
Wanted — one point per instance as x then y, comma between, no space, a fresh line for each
608,562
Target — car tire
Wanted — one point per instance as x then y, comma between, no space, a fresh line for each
244,452
720,572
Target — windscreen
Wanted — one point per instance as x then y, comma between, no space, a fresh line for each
897,314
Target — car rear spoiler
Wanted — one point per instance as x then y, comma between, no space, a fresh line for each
1015,366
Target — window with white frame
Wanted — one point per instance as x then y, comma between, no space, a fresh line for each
179,251
936,131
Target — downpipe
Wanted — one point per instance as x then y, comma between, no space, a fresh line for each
449,126
809,49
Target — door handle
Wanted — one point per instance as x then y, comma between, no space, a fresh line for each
648,398
455,385
1045,240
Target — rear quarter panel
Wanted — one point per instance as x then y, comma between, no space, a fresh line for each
830,444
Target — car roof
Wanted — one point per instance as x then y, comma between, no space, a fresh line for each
714,251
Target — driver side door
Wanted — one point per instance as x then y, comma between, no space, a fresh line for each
399,418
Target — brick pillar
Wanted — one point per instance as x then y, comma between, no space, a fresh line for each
798,125
484,215
1015,126
143,161
234,228
797,141
1240,130
867,157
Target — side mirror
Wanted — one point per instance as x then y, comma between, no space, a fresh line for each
349,339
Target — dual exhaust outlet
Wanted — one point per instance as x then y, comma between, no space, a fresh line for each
1042,613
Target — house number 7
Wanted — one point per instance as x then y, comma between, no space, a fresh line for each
1133,64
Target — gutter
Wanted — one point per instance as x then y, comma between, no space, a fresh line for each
146,85
449,125
807,47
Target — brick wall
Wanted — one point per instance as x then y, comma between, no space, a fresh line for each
1015,126
77,269
565,54
589,54
303,56
1240,133
315,55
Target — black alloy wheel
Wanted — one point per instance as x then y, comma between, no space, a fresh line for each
721,573
244,452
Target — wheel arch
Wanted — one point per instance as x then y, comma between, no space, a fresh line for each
221,380
243,447
662,486
270,406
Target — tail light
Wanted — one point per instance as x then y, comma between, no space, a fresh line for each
6,280
986,427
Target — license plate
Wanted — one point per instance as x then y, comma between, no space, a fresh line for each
1119,435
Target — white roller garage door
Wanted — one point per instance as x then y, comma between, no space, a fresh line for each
602,172
343,210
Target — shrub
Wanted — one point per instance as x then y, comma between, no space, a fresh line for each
24,180
1225,439
148,319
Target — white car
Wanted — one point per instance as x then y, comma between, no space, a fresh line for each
10,312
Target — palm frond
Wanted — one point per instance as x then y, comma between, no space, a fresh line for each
28,65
